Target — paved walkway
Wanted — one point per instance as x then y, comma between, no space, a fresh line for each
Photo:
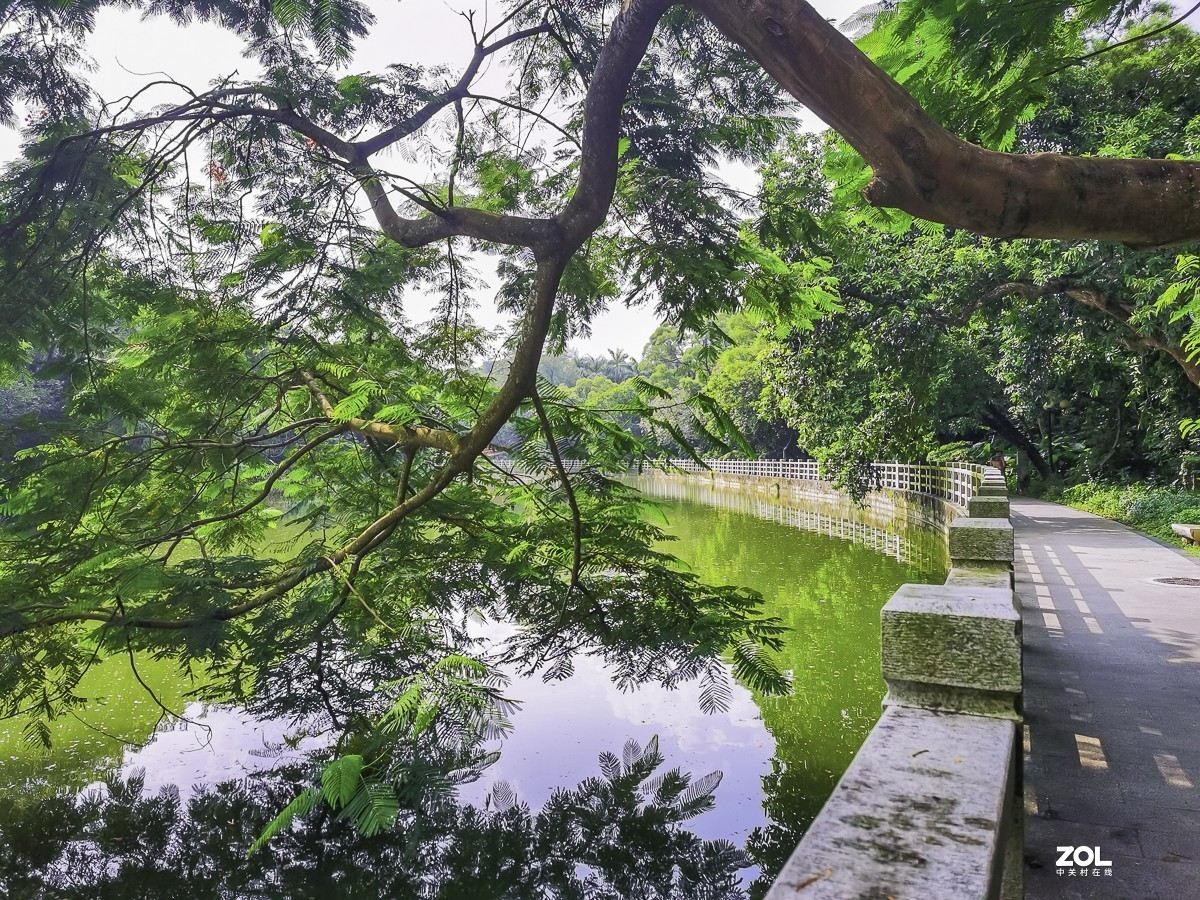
1112,706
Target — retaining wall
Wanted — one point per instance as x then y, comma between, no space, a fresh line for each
884,522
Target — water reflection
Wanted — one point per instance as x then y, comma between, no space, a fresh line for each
781,756
559,724
828,591
910,528
619,833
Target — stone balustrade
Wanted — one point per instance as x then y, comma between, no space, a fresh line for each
919,815
951,484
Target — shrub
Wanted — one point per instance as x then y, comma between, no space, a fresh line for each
1148,509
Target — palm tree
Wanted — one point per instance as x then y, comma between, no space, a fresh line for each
620,364
593,365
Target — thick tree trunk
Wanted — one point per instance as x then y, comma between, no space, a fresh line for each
996,418
928,172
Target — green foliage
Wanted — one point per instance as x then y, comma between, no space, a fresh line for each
1138,505
260,461
1181,300
302,805
50,75
949,339
214,475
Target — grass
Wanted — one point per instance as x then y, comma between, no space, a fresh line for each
1148,509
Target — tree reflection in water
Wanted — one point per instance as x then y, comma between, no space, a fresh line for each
417,711
618,834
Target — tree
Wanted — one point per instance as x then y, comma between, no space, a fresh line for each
947,336
1115,107
262,455
620,363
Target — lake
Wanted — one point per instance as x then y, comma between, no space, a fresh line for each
778,757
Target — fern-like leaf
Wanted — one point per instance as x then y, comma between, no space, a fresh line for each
302,805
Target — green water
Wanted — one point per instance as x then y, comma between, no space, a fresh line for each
780,756
87,742
828,591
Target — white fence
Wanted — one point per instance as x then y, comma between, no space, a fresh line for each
955,484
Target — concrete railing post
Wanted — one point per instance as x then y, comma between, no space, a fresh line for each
953,648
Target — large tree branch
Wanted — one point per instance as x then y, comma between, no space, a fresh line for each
1003,424
459,221
919,166
925,170
627,44
1117,311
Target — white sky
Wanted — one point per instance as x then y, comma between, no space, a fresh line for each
423,32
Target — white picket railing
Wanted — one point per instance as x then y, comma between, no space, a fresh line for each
956,484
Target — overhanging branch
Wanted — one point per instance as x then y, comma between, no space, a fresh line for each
1086,295
405,436
925,170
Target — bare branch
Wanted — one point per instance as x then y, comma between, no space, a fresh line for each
264,492
401,130
576,517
